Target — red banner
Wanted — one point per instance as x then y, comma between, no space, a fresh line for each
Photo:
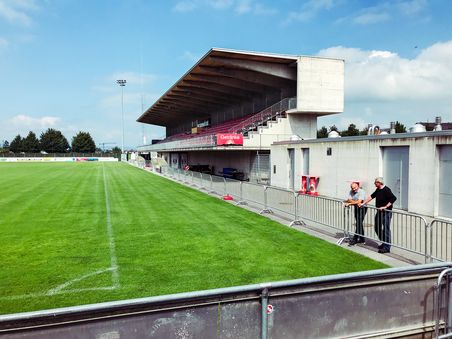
229,139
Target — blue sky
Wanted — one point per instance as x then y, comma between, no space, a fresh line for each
59,59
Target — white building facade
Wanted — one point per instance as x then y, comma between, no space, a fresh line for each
416,166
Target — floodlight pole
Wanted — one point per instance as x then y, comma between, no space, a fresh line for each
122,83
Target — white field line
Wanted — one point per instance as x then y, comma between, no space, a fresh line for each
61,287
113,264
111,238
45,294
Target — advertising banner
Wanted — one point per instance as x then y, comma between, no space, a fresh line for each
229,139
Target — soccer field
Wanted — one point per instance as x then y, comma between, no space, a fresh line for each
80,233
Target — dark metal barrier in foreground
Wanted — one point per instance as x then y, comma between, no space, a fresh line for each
384,303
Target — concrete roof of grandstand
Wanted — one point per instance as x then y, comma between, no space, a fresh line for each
221,79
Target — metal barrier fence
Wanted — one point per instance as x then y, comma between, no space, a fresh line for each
410,232
325,211
396,302
407,231
441,240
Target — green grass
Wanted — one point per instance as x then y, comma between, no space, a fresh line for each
167,238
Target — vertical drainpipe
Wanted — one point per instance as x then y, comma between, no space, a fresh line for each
264,304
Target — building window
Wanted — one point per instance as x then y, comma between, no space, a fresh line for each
329,151
274,169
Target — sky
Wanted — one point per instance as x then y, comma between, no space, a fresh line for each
60,59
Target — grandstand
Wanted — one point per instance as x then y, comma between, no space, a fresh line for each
228,109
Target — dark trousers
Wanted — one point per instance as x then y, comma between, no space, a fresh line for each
383,227
360,214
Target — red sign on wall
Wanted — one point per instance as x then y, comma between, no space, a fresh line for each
229,139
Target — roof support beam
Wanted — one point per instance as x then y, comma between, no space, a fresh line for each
273,69
203,101
250,76
211,87
202,93
225,81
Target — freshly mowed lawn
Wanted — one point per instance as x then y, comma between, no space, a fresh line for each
81,233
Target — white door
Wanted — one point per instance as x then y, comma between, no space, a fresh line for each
445,181
396,173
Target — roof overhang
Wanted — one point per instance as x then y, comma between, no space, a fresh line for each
220,79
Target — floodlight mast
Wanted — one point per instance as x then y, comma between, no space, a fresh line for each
122,83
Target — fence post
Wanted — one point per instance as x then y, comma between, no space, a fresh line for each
297,220
264,305
431,240
241,201
427,253
211,184
346,218
266,209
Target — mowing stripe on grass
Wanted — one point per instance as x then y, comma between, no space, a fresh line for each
111,238
113,262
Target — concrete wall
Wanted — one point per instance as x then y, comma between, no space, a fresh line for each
320,85
303,125
361,158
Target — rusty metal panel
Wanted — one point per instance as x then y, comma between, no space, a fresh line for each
184,323
354,311
224,320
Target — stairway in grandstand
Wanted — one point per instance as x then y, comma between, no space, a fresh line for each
255,123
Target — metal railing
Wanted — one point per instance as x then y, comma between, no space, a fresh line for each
265,115
441,239
409,232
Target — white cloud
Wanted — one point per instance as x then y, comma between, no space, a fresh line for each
18,11
191,5
383,75
252,7
27,121
309,10
412,7
219,4
381,86
386,11
240,7
185,6
371,18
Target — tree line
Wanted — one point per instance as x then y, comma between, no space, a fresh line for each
352,130
50,141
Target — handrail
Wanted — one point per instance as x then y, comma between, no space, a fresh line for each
264,115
